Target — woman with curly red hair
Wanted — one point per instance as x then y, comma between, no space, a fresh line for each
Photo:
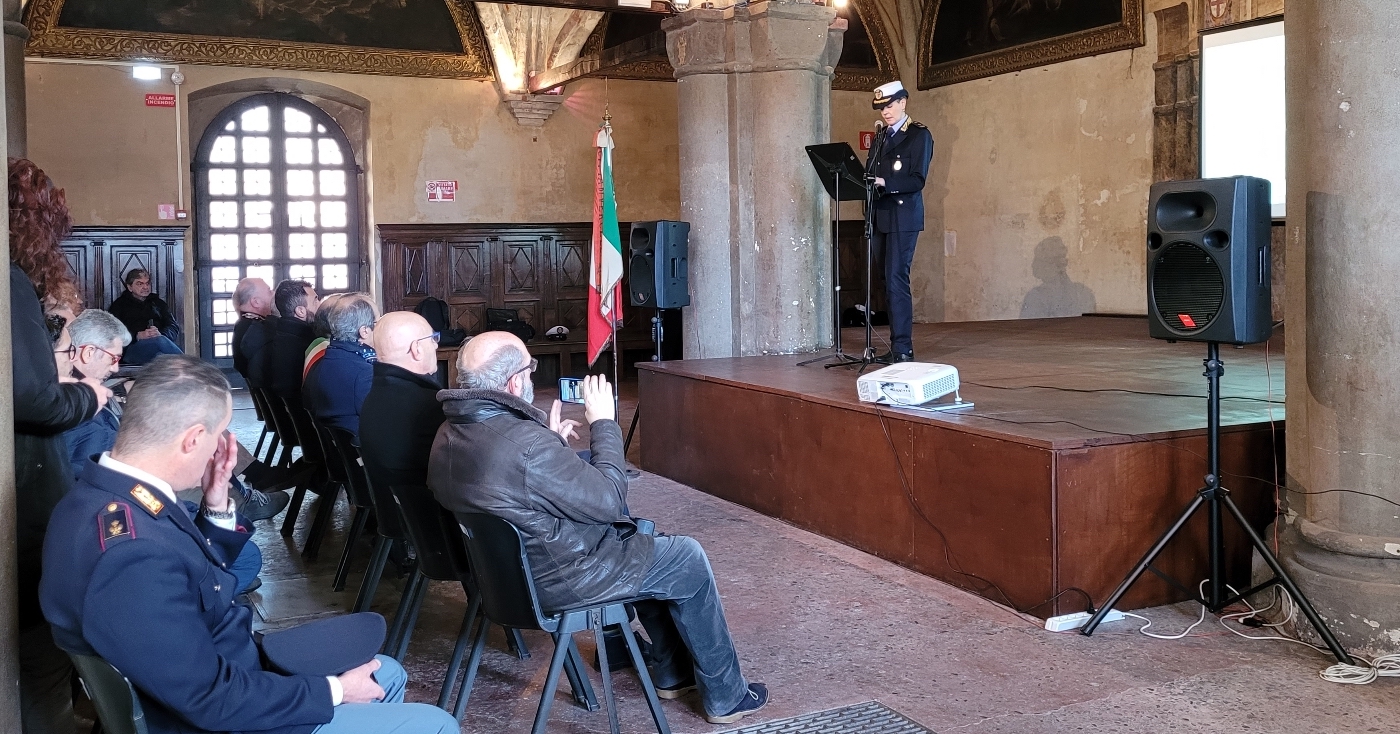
44,409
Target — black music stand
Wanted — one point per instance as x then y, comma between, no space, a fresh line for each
843,176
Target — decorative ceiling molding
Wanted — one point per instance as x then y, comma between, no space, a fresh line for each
865,80
526,40
846,78
48,38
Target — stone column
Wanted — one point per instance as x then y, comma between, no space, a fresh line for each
16,115
754,88
9,613
1342,537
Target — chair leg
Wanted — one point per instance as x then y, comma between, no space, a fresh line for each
473,663
551,681
370,583
261,437
516,644
289,522
357,527
412,622
578,679
455,664
595,618
325,512
654,703
391,642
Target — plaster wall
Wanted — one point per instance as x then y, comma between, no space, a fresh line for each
90,129
1036,199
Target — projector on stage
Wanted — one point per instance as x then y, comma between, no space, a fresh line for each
908,383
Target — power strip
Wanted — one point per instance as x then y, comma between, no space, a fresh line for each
1067,622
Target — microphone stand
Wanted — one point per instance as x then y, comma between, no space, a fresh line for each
868,356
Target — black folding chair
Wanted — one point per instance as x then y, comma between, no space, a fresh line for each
443,557
348,467
508,598
118,708
256,396
389,528
329,476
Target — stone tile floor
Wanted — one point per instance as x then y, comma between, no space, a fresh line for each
827,626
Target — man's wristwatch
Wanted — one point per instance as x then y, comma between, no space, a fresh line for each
226,515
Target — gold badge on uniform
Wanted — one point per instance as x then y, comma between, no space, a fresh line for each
147,500
898,165
114,524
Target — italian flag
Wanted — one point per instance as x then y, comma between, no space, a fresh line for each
605,275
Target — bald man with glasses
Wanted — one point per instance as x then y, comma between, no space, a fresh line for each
401,414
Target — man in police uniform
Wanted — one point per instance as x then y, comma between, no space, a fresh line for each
140,579
899,158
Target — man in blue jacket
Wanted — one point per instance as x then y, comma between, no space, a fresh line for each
898,160
136,577
338,382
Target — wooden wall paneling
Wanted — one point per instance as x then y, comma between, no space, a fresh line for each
99,257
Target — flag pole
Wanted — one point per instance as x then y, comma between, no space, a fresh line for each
612,317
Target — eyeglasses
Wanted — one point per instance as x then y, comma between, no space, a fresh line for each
71,351
534,365
115,357
436,336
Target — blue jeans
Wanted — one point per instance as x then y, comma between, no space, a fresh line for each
896,250
391,715
689,635
142,351
247,565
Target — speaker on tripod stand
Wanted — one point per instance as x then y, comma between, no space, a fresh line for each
1208,268
659,278
1208,281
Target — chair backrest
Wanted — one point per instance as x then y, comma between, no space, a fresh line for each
502,572
112,695
307,437
335,459
342,443
257,403
441,554
281,421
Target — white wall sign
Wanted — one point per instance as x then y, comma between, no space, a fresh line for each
442,191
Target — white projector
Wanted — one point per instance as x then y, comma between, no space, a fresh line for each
908,383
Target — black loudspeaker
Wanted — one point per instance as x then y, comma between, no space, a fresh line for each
1208,276
659,276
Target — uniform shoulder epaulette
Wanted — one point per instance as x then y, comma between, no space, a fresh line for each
114,524
916,123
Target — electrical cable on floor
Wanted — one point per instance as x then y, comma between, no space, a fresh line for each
1143,629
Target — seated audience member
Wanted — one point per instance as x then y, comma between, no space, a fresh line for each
321,328
252,335
401,414
98,339
297,303
498,454
153,327
155,565
338,382
97,342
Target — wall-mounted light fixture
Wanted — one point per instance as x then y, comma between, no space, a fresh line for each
147,72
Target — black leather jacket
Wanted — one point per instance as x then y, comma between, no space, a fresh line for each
496,455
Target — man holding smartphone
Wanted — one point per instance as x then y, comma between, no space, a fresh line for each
498,454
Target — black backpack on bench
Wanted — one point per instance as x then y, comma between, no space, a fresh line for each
508,319
434,311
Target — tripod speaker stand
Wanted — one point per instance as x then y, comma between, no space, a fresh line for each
1214,497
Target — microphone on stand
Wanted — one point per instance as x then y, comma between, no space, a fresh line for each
875,146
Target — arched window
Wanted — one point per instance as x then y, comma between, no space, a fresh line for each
277,196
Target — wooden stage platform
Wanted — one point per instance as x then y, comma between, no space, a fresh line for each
1086,441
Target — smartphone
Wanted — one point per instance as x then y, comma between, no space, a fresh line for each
571,389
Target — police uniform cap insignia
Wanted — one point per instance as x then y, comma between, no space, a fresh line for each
147,500
887,93
114,524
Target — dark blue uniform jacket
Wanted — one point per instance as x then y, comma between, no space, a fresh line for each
902,160
137,580
337,384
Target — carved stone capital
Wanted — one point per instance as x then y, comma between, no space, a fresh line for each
532,110
764,36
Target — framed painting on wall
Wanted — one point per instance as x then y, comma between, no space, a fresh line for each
961,40
431,38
